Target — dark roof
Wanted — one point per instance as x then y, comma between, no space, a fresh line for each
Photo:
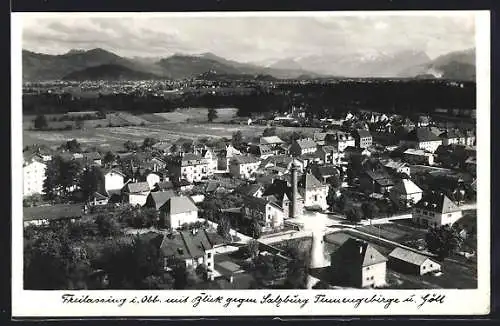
212,186
259,203
309,181
360,252
244,159
190,159
437,202
362,133
99,196
188,244
422,135
137,187
353,149
449,134
377,175
166,185
52,212
306,143
157,199
327,170
179,204
249,189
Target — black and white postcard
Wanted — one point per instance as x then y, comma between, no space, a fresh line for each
244,163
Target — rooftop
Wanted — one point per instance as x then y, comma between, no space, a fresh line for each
179,204
52,212
422,135
437,202
408,256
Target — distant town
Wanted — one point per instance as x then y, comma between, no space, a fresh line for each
216,183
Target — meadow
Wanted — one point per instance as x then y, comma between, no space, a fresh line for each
183,123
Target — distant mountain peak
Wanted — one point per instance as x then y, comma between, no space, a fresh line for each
76,51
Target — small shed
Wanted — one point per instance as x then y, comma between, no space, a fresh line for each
410,262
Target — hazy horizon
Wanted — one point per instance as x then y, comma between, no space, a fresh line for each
261,39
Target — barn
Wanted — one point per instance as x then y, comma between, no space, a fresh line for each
410,262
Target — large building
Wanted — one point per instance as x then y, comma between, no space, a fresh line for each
193,248
436,209
358,264
422,138
33,176
190,167
225,157
405,193
210,159
300,147
179,210
266,211
340,140
313,191
363,138
136,193
243,167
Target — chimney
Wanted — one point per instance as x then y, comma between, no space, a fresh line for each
294,207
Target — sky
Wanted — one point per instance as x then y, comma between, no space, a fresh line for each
250,38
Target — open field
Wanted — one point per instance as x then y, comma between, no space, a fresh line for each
197,115
394,232
113,137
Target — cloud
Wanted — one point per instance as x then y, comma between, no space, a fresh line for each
249,38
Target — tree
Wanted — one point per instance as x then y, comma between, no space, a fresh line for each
51,183
443,240
107,225
69,174
237,139
255,229
370,210
52,262
72,146
253,249
334,181
297,268
212,114
269,269
108,158
130,146
224,228
174,148
331,197
353,215
201,272
188,146
40,122
148,143
269,132
91,181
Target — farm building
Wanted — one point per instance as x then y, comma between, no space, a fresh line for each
358,264
410,262
43,215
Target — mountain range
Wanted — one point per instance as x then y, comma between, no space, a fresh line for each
101,64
